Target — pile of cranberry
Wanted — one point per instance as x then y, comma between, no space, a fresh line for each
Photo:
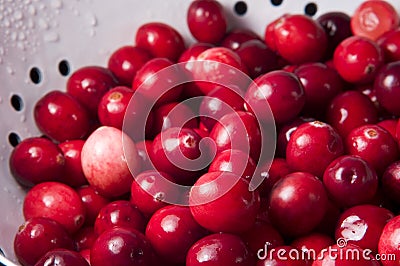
100,191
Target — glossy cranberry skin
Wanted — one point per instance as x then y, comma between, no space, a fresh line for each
56,201
258,58
192,52
306,41
126,61
292,210
61,117
206,21
36,160
337,28
387,87
161,40
349,110
121,247
235,161
358,59
390,44
240,131
219,102
313,146
390,240
173,114
236,37
73,173
143,149
219,249
84,238
281,90
391,181
62,257
86,255
272,173
375,145
350,181
362,225
93,203
312,244
321,84
38,236
390,125
220,209
281,257
89,84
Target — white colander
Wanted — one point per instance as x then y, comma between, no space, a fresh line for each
42,41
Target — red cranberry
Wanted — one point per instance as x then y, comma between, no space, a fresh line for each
86,255
374,144
36,237
121,247
282,256
92,201
389,242
391,181
292,209
172,231
328,224
219,249
269,33
362,225
235,161
281,90
73,173
312,147
350,181
173,114
236,37
390,44
55,201
222,202
89,84
60,117
143,149
312,244
387,87
85,238
358,59
62,257
390,125
126,61
192,52
36,160
161,40
206,20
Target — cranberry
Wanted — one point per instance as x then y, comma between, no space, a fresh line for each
387,87
55,201
89,84
143,149
390,125
126,61
85,238
358,59
192,52
374,144
282,256
391,181
349,110
206,20
312,244
219,249
373,18
36,160
390,44
350,181
312,147
62,257
281,90
86,255
389,242
173,114
298,203
92,201
321,84
161,40
362,225
222,202
36,237
269,33
121,247
73,173
235,161
328,224
236,37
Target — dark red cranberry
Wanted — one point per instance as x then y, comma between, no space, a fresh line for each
161,40
85,238
62,257
328,224
236,37
172,231
89,84
391,181
36,160
390,125
387,87
281,90
235,161
121,247
312,244
92,201
56,201
390,44
219,249
350,110
73,173
143,149
389,241
312,147
362,225
375,145
36,237
282,256
206,21
222,202
61,117
350,181
86,255
292,210
173,114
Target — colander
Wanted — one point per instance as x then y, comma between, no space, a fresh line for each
43,41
